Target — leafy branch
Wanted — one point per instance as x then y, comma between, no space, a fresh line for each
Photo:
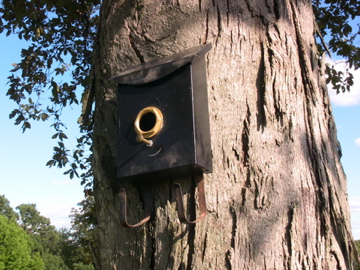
60,36
334,19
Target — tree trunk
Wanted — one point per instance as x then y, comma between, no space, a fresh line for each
277,196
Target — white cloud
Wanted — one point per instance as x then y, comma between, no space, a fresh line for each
356,230
357,141
354,204
355,216
58,215
346,99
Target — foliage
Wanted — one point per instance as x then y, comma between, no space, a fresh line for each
56,249
44,235
83,231
357,253
83,221
54,262
30,218
81,266
334,19
74,254
5,209
60,36
16,248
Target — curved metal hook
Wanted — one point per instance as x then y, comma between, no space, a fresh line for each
180,202
147,209
157,147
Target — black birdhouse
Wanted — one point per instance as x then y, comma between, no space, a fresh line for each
163,119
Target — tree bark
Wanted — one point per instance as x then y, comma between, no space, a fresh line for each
277,196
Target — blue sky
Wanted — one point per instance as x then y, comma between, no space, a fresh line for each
24,178
346,110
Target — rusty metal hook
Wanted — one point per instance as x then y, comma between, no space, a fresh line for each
202,202
147,209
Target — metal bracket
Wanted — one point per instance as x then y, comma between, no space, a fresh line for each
147,202
202,202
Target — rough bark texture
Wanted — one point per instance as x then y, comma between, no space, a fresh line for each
277,196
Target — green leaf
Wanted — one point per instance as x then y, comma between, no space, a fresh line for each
26,126
13,113
50,163
347,30
44,116
55,89
62,136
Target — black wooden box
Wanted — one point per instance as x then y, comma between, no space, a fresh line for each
175,86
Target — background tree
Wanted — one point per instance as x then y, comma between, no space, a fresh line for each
74,255
55,249
44,235
277,173
16,247
59,249
79,241
6,209
83,220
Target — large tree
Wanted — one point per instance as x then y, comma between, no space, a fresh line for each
277,194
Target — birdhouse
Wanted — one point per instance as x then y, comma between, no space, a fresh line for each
163,119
